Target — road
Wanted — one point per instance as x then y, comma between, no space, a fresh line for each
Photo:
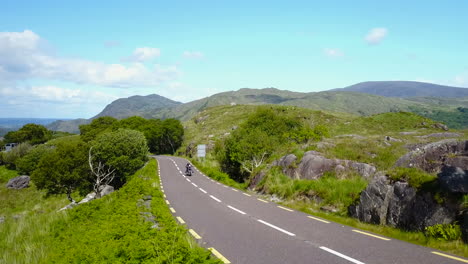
242,228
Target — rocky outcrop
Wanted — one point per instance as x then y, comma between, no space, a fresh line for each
18,183
400,205
432,157
313,165
442,135
454,179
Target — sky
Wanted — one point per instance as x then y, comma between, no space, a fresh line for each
69,59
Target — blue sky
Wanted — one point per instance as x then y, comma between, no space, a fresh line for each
69,59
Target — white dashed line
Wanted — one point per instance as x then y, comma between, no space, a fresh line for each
237,210
341,255
194,184
277,228
202,190
214,198
234,189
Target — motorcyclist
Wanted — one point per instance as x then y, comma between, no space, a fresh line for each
188,169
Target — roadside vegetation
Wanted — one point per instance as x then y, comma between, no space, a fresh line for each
245,141
130,225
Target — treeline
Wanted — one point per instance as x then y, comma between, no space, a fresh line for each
456,119
107,151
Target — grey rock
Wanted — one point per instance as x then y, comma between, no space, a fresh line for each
147,198
400,205
19,182
329,209
442,135
313,165
106,189
255,180
431,157
69,206
454,179
408,133
2,219
89,197
355,136
234,127
440,126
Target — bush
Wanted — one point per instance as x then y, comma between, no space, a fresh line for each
11,157
64,169
444,232
28,163
123,150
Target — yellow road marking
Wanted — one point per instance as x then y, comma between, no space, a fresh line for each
194,234
448,256
367,234
180,220
284,208
262,200
247,194
218,255
318,219
172,210
164,195
234,189
167,202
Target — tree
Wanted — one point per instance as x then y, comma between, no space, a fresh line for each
97,126
32,133
28,163
64,170
123,150
172,136
11,157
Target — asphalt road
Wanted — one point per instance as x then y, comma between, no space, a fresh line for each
243,228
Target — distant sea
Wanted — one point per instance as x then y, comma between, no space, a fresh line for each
10,124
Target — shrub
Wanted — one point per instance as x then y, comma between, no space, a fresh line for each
32,133
28,163
444,232
11,157
123,150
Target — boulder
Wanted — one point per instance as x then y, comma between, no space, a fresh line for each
440,126
313,165
106,189
255,180
431,157
400,205
19,182
454,179
2,219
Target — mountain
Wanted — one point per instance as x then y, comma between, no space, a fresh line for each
338,100
136,105
406,89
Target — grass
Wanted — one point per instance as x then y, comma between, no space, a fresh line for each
329,190
108,230
211,169
29,216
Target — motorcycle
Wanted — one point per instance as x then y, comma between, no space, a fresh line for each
188,171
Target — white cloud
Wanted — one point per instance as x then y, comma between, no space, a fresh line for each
333,52
54,94
143,54
376,35
193,54
23,56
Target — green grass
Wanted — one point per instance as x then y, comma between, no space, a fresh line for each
211,169
29,216
109,230
330,190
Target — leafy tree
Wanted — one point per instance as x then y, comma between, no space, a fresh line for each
124,150
32,133
97,126
28,163
255,140
64,169
172,136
